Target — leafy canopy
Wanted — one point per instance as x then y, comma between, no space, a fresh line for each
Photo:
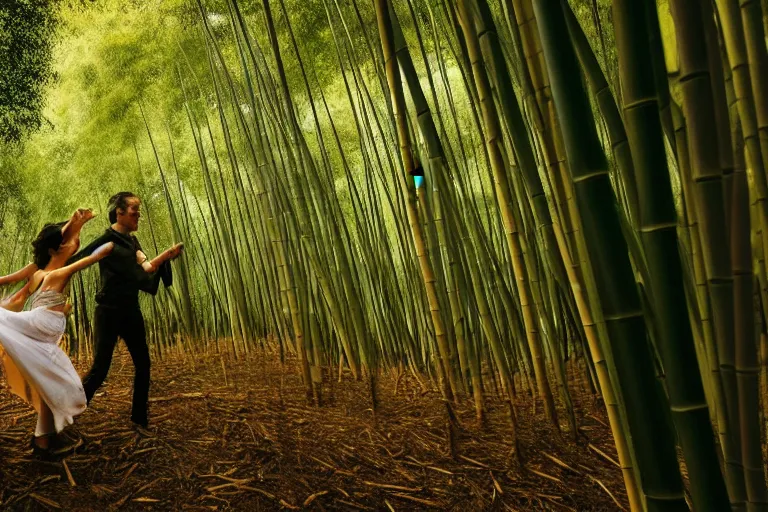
27,30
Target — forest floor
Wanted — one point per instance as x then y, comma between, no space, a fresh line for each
240,435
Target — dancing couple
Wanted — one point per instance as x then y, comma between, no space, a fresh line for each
33,320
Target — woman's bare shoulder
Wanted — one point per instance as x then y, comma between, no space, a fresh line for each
36,280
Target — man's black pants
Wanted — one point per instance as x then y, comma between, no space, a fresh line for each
128,324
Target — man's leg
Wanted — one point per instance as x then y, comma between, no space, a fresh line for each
106,329
132,331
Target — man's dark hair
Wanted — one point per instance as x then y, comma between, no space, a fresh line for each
50,237
119,200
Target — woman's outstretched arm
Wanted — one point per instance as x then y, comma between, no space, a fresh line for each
88,249
19,275
16,301
57,279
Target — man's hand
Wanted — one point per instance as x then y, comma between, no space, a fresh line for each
175,251
162,258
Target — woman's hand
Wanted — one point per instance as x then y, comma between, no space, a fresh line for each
88,215
71,230
16,301
19,275
83,215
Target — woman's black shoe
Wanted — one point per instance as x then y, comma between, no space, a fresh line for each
40,452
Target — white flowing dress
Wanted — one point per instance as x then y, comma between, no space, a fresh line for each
36,368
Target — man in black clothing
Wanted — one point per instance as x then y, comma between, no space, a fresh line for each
123,273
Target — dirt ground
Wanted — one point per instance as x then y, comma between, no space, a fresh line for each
239,435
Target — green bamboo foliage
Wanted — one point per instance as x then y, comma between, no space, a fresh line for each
745,340
708,199
717,81
575,272
601,91
456,281
437,208
544,119
747,366
541,110
712,376
757,55
735,46
666,103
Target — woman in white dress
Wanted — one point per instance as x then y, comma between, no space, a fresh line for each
36,368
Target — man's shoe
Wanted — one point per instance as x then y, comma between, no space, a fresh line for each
140,421
142,429
166,274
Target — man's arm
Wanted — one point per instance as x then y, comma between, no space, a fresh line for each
165,256
148,279
148,282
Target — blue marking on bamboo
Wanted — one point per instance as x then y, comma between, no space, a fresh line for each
418,175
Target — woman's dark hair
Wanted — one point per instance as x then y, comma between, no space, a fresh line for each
119,200
50,237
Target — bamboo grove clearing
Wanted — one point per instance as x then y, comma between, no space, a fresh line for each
540,211
226,437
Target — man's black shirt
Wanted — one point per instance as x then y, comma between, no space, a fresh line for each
121,276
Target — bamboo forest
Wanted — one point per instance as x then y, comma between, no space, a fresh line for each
502,255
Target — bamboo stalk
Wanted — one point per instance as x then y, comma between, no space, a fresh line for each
512,232
658,227
620,302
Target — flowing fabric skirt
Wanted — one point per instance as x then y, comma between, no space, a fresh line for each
36,368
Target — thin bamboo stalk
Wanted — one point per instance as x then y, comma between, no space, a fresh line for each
513,235
398,103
